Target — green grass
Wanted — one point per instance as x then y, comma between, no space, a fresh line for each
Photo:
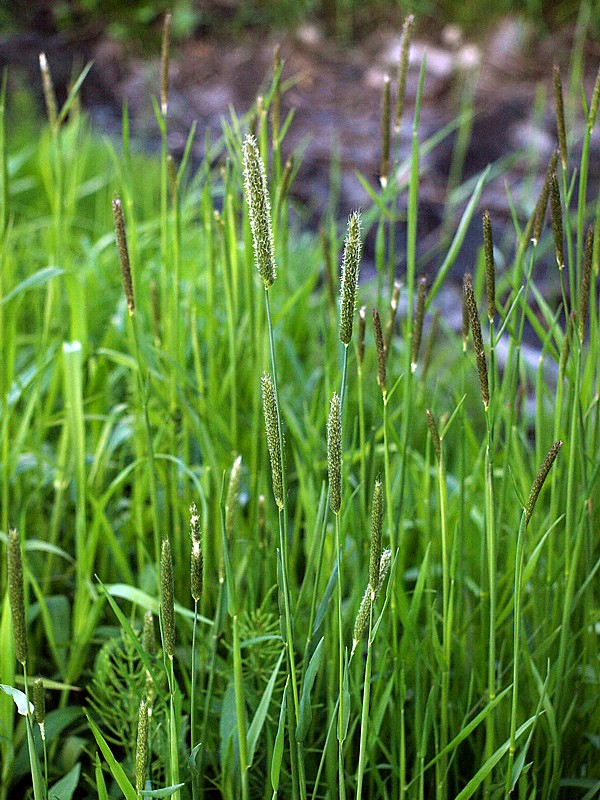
480,652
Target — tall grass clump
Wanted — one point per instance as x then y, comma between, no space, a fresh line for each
371,549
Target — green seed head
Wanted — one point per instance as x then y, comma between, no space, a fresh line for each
197,561
435,436
557,222
376,533
141,750
475,327
349,279
361,623
407,33
594,104
270,411
39,701
123,253
259,210
540,479
560,116
164,64
389,325
490,267
537,219
362,312
418,324
16,595
167,598
379,347
148,634
49,95
334,453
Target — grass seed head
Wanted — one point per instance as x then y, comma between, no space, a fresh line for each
560,116
539,480
334,453
259,210
361,624
141,750
197,560
435,435
49,94
123,253
164,64
594,103
418,324
537,219
16,595
475,326
362,313
167,598
407,33
557,223
380,349
39,704
490,267
272,427
349,277
376,534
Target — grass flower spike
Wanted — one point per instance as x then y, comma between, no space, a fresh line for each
475,326
167,602
270,411
539,480
197,561
362,618
376,531
334,453
349,280
141,750
259,210
16,596
123,253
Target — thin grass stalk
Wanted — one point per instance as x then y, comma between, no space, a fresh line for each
240,706
364,720
341,733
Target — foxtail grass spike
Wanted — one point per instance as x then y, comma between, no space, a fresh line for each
557,222
490,267
39,704
141,750
262,520
475,326
381,369
435,436
389,325
538,482
123,253
418,323
232,500
149,634
197,561
407,32
594,103
542,203
259,211
560,117
349,277
376,533
334,453
362,319
361,623
270,412
167,598
49,94
384,169
164,64
586,281
16,595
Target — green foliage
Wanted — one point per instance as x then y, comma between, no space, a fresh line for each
475,670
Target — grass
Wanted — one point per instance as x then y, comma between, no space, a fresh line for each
473,668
